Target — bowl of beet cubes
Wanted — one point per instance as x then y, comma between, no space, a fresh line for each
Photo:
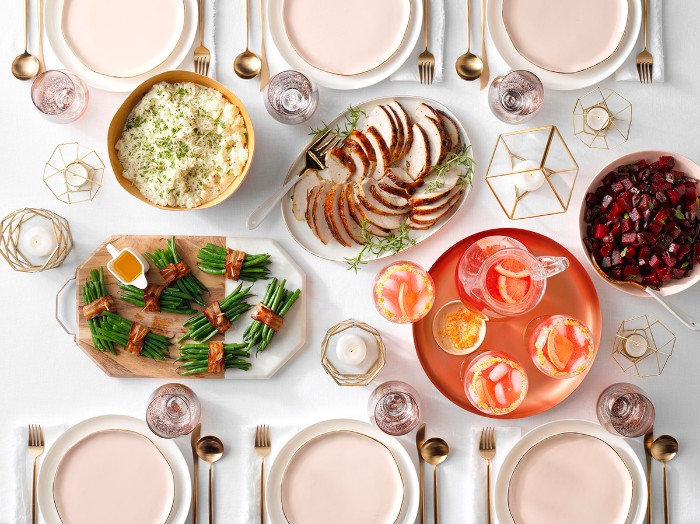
640,221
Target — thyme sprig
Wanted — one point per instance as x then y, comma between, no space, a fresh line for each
455,160
375,247
352,118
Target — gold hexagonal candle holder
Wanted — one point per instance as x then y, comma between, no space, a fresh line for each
74,173
353,374
532,173
642,348
33,240
602,119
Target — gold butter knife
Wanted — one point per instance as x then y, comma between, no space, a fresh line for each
648,440
194,437
485,73
420,440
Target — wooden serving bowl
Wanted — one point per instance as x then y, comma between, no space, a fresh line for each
116,127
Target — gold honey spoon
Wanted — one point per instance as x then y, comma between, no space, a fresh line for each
434,451
247,64
469,66
26,66
664,449
210,449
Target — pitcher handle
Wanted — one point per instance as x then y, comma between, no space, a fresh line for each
553,265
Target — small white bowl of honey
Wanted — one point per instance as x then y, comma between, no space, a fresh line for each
128,266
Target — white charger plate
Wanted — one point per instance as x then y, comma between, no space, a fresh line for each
334,251
273,492
54,33
564,81
292,337
335,81
76,433
638,507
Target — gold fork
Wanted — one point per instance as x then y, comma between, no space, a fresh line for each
645,60
426,60
36,448
202,56
487,450
262,449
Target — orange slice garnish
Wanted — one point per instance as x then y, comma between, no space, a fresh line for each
513,290
559,349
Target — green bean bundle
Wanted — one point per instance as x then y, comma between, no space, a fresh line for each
171,300
189,285
232,307
217,260
92,290
117,329
195,358
279,301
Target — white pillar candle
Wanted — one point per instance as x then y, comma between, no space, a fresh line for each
76,175
351,349
528,180
597,118
636,345
39,241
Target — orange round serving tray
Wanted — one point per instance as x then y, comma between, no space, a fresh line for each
569,293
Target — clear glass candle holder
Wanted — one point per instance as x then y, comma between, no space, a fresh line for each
291,97
173,410
60,96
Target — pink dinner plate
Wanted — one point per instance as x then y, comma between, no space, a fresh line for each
570,293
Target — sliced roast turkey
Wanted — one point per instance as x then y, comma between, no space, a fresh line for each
352,228
339,165
354,207
417,161
437,204
388,185
398,202
323,231
386,222
301,190
363,193
431,218
359,157
331,211
436,139
381,119
381,150
311,205
452,131
398,149
427,194
406,125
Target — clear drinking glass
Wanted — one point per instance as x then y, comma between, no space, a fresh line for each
291,97
173,410
624,409
60,96
395,408
516,96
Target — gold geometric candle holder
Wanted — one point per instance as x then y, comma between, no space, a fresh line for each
602,119
642,348
74,173
347,374
532,173
13,231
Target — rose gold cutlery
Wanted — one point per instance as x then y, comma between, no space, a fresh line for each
420,440
485,73
26,66
202,56
264,69
262,450
35,445
487,450
664,449
645,60
210,449
194,437
426,60
434,452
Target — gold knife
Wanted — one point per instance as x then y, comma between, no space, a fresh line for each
264,69
648,439
420,440
485,73
194,437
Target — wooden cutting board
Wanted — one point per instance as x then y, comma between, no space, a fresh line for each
124,364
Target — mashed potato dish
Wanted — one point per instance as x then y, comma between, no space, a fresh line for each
183,144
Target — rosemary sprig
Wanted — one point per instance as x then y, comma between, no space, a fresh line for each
352,118
461,159
375,247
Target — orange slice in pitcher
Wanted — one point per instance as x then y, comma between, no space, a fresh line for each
513,290
512,268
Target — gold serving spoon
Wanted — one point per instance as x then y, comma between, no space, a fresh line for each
664,449
210,449
680,315
469,66
247,64
434,451
26,66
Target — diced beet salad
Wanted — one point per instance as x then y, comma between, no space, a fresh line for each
643,223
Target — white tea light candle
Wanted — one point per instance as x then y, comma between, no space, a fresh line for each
39,241
597,118
530,179
76,175
636,345
351,349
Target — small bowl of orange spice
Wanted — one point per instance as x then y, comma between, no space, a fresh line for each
457,329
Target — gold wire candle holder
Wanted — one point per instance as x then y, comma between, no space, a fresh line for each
532,173
642,348
11,239
353,375
74,173
602,119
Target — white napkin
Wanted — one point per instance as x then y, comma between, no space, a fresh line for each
655,45
408,72
476,483
21,468
248,507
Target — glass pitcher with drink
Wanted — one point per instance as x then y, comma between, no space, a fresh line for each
499,277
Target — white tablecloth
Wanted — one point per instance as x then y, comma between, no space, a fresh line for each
46,379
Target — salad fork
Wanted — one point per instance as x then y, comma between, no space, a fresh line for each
262,449
314,161
35,445
202,56
426,60
487,450
645,60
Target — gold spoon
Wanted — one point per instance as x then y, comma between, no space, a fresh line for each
435,451
680,315
26,66
210,449
664,449
247,64
469,66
